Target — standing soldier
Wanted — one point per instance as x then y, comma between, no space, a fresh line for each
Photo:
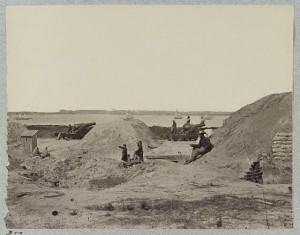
139,152
188,120
173,128
202,122
124,153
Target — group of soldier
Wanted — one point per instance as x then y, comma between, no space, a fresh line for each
202,147
137,154
37,152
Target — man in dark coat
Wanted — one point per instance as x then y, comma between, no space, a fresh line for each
173,128
139,152
188,120
36,152
202,122
124,153
204,146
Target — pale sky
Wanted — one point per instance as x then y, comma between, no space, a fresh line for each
136,57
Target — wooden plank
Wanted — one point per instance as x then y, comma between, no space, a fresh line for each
254,174
166,156
262,201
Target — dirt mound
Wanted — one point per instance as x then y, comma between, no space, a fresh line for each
105,138
14,131
14,163
96,156
249,132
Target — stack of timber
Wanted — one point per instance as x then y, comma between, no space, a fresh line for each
282,147
254,174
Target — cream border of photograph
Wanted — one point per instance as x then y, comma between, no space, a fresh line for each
296,115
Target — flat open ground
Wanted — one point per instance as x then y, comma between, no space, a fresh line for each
162,194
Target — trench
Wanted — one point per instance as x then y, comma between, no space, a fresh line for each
106,183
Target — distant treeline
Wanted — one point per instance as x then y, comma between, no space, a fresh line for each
123,112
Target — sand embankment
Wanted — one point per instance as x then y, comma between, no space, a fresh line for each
95,156
248,134
14,131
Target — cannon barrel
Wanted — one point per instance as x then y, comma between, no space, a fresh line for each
206,128
86,124
81,126
194,128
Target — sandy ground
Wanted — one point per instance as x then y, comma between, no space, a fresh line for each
163,195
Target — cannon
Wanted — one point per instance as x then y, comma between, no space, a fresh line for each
78,131
190,133
83,126
191,128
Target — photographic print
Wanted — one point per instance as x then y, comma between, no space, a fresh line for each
149,116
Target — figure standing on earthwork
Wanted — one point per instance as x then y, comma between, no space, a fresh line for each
124,153
202,121
173,128
188,120
138,154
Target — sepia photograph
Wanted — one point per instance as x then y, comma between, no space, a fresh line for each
149,117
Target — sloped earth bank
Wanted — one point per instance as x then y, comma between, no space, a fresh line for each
14,131
82,185
248,135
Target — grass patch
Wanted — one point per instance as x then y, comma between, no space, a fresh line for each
105,207
232,211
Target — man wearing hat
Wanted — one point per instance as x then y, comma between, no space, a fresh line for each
188,120
204,146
